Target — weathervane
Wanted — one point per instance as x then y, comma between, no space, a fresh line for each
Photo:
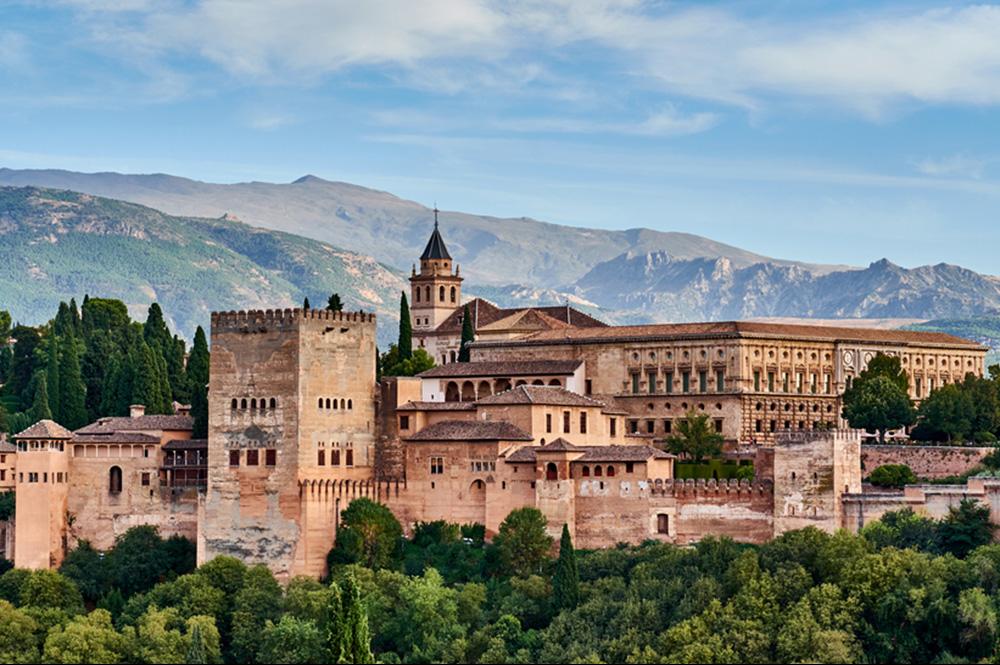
435,215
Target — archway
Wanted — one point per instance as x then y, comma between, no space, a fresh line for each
484,389
115,480
555,382
468,392
477,501
551,472
451,393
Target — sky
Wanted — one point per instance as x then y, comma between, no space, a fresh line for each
834,132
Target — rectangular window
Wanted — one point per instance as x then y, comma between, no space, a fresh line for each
718,425
628,467
668,426
784,381
799,382
756,380
349,457
614,426
828,388
663,524
703,381
668,383
583,422
3,474
650,426
635,384
234,458
437,466
589,386
404,422
770,382
919,386
252,457
651,383
720,380
335,457
633,426
813,383
565,422
774,425
145,479
758,426
270,457
686,381
548,423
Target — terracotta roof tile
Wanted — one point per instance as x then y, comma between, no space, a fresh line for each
116,437
486,313
142,423
527,454
503,368
667,331
186,444
437,406
557,446
45,429
548,395
471,430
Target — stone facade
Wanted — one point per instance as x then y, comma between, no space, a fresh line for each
930,462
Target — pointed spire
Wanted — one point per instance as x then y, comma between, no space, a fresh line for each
435,246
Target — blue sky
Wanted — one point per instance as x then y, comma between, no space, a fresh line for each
836,132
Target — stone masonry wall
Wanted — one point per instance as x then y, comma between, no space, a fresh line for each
926,461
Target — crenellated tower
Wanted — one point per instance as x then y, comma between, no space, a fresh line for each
436,291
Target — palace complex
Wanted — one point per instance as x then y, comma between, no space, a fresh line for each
555,410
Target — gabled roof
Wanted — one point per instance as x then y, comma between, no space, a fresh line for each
471,430
45,429
186,444
503,368
486,314
140,424
559,445
435,246
525,320
546,395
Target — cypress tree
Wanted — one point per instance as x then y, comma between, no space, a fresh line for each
566,583
305,303
73,392
468,336
197,373
145,379
175,370
23,366
333,625
52,378
196,651
63,323
74,316
164,396
358,639
155,331
40,406
334,303
405,343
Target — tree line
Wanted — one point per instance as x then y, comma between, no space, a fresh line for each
94,361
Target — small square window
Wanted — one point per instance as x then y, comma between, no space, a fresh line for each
234,458
145,479
270,456
252,457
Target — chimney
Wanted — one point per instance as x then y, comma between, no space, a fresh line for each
136,410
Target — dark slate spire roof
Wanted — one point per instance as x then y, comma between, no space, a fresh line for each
435,246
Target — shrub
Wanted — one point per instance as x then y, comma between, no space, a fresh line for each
892,475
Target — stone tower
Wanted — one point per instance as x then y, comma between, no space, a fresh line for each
40,531
436,291
291,433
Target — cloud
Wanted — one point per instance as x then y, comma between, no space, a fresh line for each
269,120
952,165
13,50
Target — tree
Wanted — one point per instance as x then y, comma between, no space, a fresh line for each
88,569
368,534
468,336
197,377
392,365
356,636
17,635
258,602
522,541
967,527
90,638
334,303
292,640
566,583
305,304
23,366
405,342
892,475
695,437
40,405
156,639
52,377
878,399
138,560
73,392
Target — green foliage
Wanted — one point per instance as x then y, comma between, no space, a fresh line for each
695,437
468,336
18,631
392,365
566,583
523,542
72,390
89,571
334,304
49,589
52,384
368,534
8,504
197,382
892,475
86,639
716,468
292,640
967,527
878,399
256,604
40,401
405,341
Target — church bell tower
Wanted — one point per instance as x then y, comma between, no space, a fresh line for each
436,291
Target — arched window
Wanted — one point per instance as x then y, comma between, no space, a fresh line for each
538,382
453,356
451,392
253,404
453,294
441,293
342,405
551,473
586,471
427,293
611,471
274,403
115,480
233,405
243,403
468,392
416,293
555,382
598,471
350,404
328,403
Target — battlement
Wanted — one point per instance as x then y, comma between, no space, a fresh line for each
259,320
710,487
799,437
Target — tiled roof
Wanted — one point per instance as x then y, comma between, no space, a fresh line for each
668,331
557,446
595,454
435,246
525,320
486,314
7,447
437,406
503,368
142,423
45,429
116,437
471,430
547,395
186,444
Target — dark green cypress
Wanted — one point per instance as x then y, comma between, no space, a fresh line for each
334,304
40,405
357,639
73,392
566,583
197,373
305,303
468,336
145,378
52,377
405,343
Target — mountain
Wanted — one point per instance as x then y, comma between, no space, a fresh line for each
394,230
664,287
57,244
